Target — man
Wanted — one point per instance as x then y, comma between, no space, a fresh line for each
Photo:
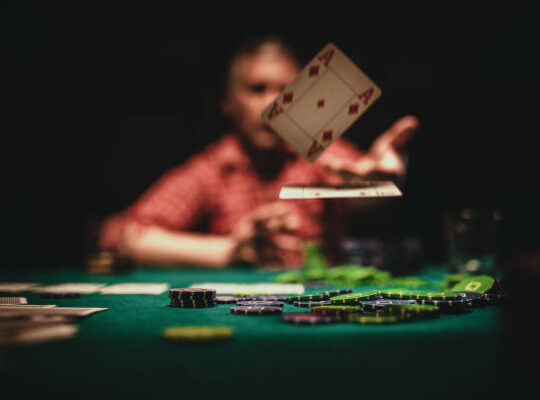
233,185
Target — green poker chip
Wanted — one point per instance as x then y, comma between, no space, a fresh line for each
404,294
376,319
308,297
336,310
436,296
353,298
478,284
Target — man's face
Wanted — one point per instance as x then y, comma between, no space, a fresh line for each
257,80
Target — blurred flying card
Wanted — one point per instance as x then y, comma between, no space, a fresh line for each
324,100
83,288
364,189
135,288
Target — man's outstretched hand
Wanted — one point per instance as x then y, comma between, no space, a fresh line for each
384,159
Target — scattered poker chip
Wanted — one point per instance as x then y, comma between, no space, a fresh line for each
60,295
228,299
264,298
310,319
198,333
403,294
477,283
495,298
260,303
376,319
447,305
308,297
336,310
310,304
337,292
472,298
256,310
353,298
413,311
384,304
423,295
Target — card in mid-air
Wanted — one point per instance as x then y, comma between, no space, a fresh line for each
364,189
326,97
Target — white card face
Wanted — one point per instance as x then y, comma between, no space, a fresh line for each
365,189
324,100
248,288
74,312
135,288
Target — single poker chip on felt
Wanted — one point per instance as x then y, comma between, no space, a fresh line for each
376,319
255,310
228,299
384,304
260,303
336,310
477,283
353,298
60,295
198,333
310,304
310,319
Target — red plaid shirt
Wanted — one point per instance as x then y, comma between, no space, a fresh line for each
220,186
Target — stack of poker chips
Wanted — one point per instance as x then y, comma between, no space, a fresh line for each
192,298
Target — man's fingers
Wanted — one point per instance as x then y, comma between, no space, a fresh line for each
399,133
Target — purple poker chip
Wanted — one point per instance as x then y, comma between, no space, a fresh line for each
228,299
265,298
260,303
256,310
310,319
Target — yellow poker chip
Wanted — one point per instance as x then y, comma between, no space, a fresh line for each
198,333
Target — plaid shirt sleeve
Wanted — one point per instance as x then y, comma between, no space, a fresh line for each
176,201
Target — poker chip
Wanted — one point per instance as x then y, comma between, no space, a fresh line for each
447,305
318,296
192,304
412,311
191,293
260,303
256,310
477,283
384,304
353,298
310,319
376,319
198,333
60,295
310,304
228,299
265,298
472,299
421,295
336,310
403,294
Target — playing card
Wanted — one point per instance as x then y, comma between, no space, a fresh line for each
364,189
13,287
73,312
13,300
84,288
135,288
324,100
249,288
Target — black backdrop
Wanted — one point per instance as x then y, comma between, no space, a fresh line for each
102,99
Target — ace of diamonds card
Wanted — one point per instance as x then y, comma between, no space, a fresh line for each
325,99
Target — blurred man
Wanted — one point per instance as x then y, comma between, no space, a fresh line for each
231,188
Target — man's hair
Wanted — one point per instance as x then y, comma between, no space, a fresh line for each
271,45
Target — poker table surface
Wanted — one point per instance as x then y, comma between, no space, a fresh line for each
120,353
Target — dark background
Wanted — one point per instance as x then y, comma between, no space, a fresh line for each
102,99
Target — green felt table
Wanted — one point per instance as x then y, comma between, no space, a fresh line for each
120,353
